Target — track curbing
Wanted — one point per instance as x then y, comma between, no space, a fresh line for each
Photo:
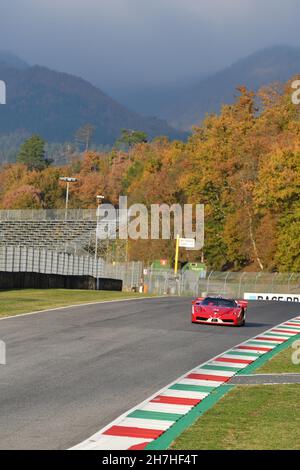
184,400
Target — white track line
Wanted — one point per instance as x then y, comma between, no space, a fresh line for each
79,305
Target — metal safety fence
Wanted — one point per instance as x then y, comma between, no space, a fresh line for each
230,284
134,277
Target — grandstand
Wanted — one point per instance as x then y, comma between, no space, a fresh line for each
74,232
53,242
46,229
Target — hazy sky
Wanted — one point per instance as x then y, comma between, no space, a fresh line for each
134,43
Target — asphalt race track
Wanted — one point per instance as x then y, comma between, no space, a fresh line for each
70,372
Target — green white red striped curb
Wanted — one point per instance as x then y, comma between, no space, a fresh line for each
148,421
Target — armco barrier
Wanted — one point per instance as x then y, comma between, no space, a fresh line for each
32,260
29,280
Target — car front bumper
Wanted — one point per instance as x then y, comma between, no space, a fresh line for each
230,321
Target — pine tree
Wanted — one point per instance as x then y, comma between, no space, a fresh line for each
130,137
32,154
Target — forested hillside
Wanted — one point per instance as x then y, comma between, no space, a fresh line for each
56,105
187,105
244,166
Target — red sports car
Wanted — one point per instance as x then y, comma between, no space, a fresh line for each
219,311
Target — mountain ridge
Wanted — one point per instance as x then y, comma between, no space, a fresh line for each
8,58
187,105
268,65
55,104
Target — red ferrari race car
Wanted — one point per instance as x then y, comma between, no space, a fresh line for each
219,311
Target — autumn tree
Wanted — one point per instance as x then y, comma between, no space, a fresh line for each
242,164
24,197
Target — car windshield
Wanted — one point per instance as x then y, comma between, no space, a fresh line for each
215,302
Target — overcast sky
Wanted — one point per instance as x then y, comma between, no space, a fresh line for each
134,43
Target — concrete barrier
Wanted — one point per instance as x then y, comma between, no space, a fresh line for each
31,280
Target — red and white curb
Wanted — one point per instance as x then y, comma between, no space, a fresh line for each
149,420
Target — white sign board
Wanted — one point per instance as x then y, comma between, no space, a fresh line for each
2,92
270,296
2,353
187,242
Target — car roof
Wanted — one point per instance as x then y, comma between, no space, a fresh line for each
215,297
218,298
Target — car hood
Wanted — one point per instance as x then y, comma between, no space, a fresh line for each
218,311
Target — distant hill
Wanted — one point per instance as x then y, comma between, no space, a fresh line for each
188,106
55,105
7,58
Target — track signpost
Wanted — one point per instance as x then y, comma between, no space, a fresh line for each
188,243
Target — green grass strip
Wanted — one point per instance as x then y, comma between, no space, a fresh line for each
280,363
15,302
141,414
